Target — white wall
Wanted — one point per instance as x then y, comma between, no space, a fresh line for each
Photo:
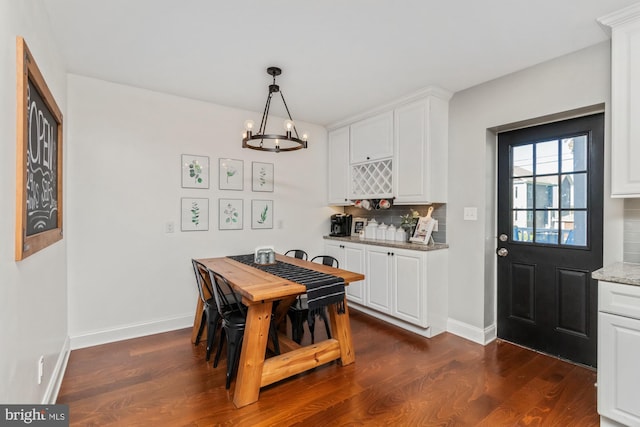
127,277
33,292
574,81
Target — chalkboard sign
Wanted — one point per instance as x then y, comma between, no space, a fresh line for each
39,159
42,165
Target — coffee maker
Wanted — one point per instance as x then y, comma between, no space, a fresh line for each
340,225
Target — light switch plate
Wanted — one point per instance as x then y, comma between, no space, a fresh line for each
470,214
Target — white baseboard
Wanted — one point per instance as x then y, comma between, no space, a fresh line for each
131,331
472,333
55,382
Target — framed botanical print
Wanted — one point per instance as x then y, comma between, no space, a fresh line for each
230,213
231,174
261,214
261,176
195,171
194,214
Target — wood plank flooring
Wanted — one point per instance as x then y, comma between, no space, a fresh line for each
398,379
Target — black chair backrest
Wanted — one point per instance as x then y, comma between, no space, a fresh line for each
327,260
297,253
202,280
226,298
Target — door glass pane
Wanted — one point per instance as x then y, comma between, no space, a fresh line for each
546,192
573,193
574,228
547,157
522,196
522,226
522,160
547,225
574,154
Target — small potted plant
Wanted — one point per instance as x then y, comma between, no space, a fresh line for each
409,222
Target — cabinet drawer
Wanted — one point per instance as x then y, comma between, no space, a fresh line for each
616,298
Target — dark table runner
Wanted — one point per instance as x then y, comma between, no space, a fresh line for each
322,289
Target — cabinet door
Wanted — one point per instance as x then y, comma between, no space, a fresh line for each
618,373
350,257
354,261
379,279
338,167
372,138
409,286
421,151
625,101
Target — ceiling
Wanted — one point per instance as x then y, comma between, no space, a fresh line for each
339,57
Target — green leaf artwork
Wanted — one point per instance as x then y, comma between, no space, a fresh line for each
195,213
263,215
262,177
231,214
195,170
231,171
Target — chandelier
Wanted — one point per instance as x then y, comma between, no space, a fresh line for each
272,142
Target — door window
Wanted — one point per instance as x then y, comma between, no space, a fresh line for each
549,191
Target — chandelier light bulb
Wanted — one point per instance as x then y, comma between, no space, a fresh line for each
277,142
288,125
305,136
248,125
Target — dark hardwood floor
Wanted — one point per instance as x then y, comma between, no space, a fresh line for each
398,379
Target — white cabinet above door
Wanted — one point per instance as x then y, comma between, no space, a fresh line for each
372,138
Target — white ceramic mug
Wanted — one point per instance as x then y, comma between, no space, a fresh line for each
384,204
365,204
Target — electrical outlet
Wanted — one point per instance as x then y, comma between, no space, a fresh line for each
169,227
471,214
40,369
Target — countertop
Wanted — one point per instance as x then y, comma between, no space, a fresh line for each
390,243
619,272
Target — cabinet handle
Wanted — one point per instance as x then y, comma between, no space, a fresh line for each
392,254
342,246
368,158
388,253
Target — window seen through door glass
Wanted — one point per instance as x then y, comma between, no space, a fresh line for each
549,189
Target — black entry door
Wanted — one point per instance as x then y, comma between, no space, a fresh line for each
550,193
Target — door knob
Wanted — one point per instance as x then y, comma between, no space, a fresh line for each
502,252
503,237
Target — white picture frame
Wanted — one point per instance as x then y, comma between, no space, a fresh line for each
230,214
358,224
262,176
231,174
194,214
195,171
423,230
261,214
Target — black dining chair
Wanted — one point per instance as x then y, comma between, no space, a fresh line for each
210,315
297,253
234,319
298,312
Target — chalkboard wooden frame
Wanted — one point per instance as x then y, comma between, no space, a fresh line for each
35,195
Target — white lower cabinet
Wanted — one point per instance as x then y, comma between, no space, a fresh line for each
351,257
618,354
405,287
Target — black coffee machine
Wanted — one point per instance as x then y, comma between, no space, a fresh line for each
340,225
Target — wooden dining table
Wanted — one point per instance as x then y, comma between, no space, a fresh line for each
259,290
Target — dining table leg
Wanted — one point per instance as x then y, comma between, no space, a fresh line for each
341,330
197,319
254,345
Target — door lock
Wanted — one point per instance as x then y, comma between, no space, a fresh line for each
503,237
502,252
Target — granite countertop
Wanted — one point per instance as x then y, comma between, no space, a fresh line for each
390,243
619,272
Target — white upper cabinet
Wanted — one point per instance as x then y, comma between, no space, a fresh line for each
625,101
338,166
372,138
421,151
